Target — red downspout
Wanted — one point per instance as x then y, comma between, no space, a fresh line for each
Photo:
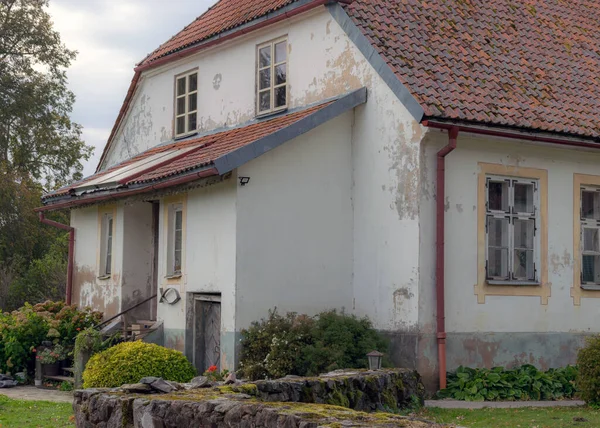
71,231
439,263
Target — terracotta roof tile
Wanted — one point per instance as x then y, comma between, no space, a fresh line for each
203,150
223,16
530,63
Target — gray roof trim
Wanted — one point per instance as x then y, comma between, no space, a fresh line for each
377,62
238,157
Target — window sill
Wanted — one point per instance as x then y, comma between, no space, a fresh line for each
186,135
271,113
590,287
174,276
498,282
104,277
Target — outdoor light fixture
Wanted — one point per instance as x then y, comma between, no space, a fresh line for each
374,360
244,180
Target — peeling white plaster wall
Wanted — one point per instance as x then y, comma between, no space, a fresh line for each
503,313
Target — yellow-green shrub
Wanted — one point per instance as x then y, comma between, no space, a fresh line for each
128,362
588,365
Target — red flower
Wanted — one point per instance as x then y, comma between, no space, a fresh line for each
78,329
212,369
34,350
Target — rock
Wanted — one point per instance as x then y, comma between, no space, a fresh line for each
200,382
5,377
291,376
176,386
230,378
162,385
149,380
8,383
135,388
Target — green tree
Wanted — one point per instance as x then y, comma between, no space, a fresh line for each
40,147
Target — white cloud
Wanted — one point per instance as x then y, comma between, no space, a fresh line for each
111,36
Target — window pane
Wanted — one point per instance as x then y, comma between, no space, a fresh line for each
181,86
180,105
590,269
177,262
280,96
523,265
192,102
524,197
498,196
178,220
264,78
191,122
523,231
181,125
264,100
497,232
590,239
590,204
280,52
108,269
498,263
192,82
280,74
264,57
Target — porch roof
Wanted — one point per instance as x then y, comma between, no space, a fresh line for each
213,154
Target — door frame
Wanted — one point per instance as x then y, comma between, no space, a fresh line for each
190,320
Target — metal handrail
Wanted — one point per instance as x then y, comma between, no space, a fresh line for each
98,326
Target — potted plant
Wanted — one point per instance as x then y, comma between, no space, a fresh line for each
50,359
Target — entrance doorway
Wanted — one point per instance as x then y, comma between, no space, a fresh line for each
205,331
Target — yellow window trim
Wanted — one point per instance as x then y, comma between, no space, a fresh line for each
577,293
482,288
167,202
102,210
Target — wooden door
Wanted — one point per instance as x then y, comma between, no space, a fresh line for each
207,332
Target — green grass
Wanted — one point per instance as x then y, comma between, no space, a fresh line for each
34,414
533,417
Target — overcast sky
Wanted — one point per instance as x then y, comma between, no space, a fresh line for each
111,36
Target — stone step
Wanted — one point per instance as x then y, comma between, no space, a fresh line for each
60,378
69,369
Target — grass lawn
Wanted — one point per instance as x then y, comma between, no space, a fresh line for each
34,414
548,417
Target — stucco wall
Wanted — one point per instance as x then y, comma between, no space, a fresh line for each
88,290
294,226
505,329
209,266
321,65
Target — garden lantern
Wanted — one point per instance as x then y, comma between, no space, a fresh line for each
374,360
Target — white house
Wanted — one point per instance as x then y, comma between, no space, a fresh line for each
432,165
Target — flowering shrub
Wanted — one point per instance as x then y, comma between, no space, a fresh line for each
213,374
52,355
24,329
302,345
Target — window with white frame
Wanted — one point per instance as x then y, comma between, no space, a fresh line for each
106,233
512,244
590,236
175,244
186,103
271,77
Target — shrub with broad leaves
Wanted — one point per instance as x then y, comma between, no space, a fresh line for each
588,377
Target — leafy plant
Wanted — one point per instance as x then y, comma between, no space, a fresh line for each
588,377
65,386
521,383
302,345
128,362
214,375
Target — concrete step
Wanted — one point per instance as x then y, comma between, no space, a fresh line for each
60,378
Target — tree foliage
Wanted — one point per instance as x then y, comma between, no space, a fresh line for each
40,147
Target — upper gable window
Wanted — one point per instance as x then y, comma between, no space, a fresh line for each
271,76
186,103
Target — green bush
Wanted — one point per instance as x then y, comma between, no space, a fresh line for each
128,362
588,376
23,330
306,346
521,383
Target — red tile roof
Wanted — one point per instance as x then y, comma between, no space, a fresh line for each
206,150
530,63
223,16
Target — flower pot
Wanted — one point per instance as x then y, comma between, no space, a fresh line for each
51,369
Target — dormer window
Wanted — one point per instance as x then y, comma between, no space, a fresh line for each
186,103
271,76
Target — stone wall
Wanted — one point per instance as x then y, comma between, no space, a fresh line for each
289,402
